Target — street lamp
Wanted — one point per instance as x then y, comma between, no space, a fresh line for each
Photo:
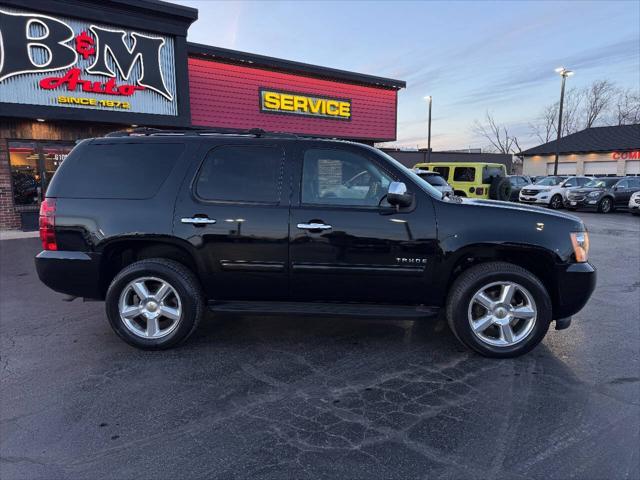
564,73
430,100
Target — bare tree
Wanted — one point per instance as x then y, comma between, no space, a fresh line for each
497,135
597,99
571,113
626,109
544,127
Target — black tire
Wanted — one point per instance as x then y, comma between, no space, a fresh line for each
472,280
605,205
556,202
500,189
186,286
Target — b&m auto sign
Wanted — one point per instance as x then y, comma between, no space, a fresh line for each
68,63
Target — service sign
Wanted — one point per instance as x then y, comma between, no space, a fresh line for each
68,63
276,101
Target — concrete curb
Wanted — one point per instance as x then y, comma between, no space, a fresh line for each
17,234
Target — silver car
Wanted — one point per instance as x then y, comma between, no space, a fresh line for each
435,180
634,203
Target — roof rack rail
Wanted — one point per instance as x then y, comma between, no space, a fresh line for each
195,131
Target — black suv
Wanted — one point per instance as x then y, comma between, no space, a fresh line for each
603,194
163,225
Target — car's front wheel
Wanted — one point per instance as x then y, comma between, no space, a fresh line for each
499,309
556,202
154,304
605,205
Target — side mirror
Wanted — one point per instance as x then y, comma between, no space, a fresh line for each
398,196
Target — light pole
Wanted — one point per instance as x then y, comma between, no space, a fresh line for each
430,100
564,73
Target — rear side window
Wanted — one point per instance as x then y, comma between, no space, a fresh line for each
132,171
464,174
241,173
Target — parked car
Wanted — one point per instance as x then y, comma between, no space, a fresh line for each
164,225
473,179
517,183
551,191
435,180
603,194
634,203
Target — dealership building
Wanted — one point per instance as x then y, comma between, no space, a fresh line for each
596,151
72,69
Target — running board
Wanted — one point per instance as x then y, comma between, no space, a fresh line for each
324,309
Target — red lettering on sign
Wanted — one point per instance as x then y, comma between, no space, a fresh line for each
72,80
615,155
84,45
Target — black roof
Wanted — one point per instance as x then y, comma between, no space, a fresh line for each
255,60
594,139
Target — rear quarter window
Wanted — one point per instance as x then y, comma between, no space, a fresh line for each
132,171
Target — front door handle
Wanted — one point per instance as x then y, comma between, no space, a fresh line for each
313,226
198,220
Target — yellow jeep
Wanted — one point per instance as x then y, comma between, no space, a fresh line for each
473,179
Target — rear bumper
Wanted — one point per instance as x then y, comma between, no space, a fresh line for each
71,273
576,282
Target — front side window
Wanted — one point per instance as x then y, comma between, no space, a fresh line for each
338,177
623,184
444,171
241,173
464,174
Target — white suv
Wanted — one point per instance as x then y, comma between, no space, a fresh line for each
551,191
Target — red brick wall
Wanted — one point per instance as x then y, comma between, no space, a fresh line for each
12,129
9,219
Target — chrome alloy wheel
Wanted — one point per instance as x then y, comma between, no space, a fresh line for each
150,308
502,314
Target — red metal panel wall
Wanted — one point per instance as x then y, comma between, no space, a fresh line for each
224,95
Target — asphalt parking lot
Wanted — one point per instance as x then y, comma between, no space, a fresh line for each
269,397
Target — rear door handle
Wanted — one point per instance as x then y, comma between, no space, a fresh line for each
197,220
313,226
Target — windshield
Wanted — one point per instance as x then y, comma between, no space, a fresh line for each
435,180
550,181
423,184
601,182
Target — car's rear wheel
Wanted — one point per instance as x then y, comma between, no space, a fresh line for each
605,205
556,202
499,309
154,304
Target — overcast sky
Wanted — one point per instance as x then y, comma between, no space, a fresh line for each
470,56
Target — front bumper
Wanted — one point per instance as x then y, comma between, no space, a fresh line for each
72,273
575,284
582,203
540,199
634,208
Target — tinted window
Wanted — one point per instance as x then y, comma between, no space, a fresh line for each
489,173
338,177
241,173
634,182
572,182
464,174
550,181
602,183
444,171
623,184
115,170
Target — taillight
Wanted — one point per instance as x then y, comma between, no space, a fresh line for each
48,224
479,191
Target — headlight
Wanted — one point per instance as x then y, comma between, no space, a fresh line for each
544,190
580,242
594,194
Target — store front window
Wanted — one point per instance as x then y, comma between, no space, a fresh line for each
32,167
